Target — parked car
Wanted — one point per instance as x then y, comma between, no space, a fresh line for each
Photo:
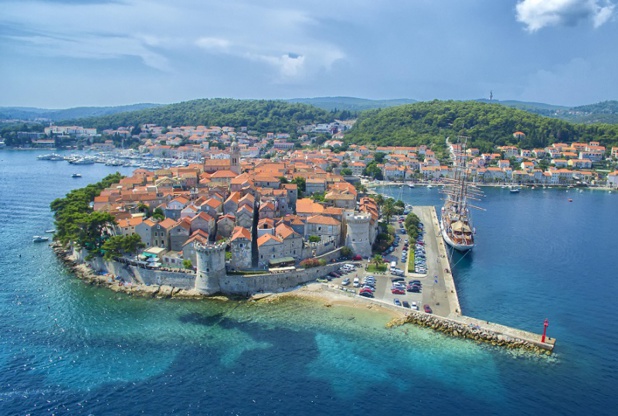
427,308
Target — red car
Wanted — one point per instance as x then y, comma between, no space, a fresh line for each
397,291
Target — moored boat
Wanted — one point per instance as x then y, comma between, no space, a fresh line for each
54,157
455,220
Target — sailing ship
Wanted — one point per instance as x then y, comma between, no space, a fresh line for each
456,221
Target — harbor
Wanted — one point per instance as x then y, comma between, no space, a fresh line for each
439,292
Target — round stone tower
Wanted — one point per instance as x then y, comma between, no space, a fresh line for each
357,233
210,268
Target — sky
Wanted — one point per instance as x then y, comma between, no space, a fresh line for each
70,53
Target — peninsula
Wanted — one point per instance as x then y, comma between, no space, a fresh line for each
238,226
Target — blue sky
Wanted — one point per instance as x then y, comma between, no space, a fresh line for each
67,53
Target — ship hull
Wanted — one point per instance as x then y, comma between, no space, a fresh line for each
459,247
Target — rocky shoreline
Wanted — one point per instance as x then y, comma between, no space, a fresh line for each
85,273
467,331
444,325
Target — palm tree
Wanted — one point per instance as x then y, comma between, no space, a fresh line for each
388,209
377,260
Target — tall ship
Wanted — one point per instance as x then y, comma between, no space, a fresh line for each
455,220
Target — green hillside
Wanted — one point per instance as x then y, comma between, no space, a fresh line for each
260,115
351,104
487,125
31,113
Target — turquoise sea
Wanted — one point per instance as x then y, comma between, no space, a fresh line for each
67,348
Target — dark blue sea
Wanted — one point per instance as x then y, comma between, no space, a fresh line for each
67,348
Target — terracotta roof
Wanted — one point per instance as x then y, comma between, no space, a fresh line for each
266,238
167,223
240,232
321,219
307,205
285,231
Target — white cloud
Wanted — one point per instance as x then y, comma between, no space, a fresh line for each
213,43
163,34
537,14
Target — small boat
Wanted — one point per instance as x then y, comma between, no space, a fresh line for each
50,231
76,175
39,239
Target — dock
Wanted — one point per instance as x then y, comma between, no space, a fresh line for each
440,292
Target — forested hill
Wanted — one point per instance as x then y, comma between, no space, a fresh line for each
29,113
486,124
351,104
259,115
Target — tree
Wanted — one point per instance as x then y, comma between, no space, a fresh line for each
314,239
301,183
377,260
120,245
379,157
346,252
158,214
388,209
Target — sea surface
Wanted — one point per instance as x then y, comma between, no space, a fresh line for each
67,348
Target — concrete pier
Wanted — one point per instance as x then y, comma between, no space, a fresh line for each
440,293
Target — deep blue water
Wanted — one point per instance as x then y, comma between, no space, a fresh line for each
69,348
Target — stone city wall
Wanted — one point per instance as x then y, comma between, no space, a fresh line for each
246,285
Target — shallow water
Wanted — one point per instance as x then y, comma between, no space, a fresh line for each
70,348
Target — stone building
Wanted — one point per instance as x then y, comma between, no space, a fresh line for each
240,246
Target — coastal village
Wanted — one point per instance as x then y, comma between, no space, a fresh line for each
235,214
559,164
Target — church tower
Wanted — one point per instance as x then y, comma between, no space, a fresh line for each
235,158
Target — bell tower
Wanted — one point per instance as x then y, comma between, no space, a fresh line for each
235,158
